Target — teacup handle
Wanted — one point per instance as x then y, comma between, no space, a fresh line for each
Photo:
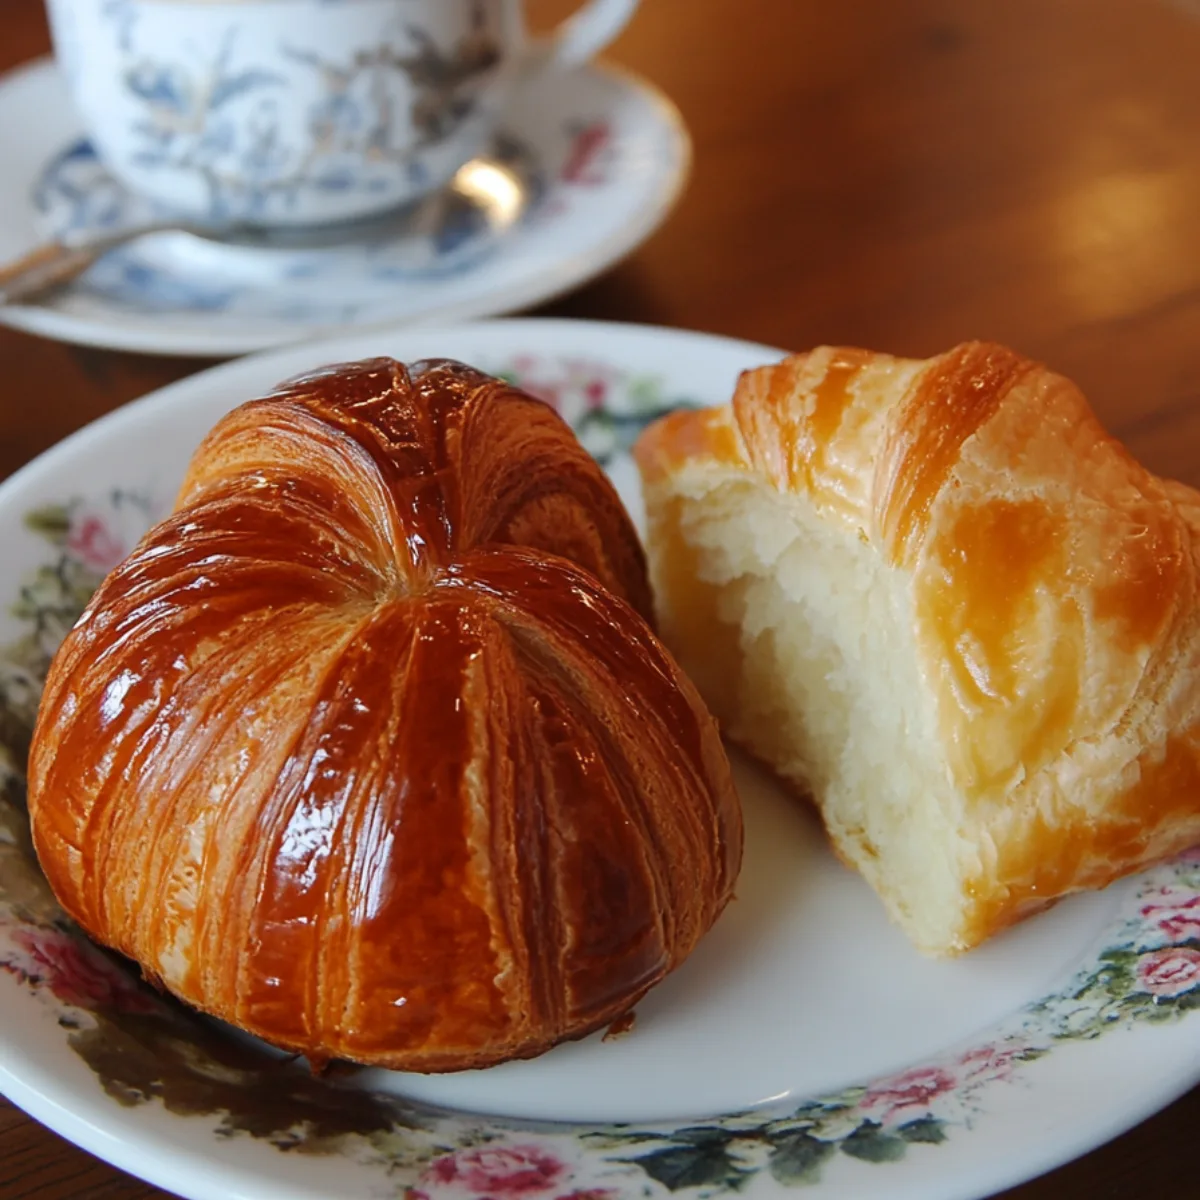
584,34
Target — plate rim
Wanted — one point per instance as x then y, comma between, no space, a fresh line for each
170,393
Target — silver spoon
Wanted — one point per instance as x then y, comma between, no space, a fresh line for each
488,194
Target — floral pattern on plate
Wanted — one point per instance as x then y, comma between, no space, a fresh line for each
145,1048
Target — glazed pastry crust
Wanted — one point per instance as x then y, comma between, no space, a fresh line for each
1047,591
369,748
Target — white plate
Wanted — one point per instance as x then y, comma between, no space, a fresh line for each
804,1045
605,152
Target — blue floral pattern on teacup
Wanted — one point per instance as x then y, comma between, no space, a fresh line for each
241,114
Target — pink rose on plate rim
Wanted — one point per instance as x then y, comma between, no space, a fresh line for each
989,1062
907,1095
558,383
494,1172
77,973
594,392
1176,913
90,540
1169,972
913,1093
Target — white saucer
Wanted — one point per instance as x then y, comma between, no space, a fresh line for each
606,153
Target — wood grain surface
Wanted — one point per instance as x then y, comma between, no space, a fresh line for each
898,174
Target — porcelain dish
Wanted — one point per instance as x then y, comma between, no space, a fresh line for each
603,154
805,1049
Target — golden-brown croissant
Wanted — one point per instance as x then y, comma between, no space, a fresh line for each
367,750
938,596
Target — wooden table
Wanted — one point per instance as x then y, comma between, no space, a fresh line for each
899,174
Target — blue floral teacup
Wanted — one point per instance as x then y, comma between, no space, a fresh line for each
300,111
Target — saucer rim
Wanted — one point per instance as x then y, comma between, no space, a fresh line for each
123,331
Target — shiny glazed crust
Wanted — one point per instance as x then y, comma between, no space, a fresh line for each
367,750
1052,587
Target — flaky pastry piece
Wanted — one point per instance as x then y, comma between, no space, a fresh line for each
939,597
368,748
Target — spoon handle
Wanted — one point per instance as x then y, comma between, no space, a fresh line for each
52,264
46,267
